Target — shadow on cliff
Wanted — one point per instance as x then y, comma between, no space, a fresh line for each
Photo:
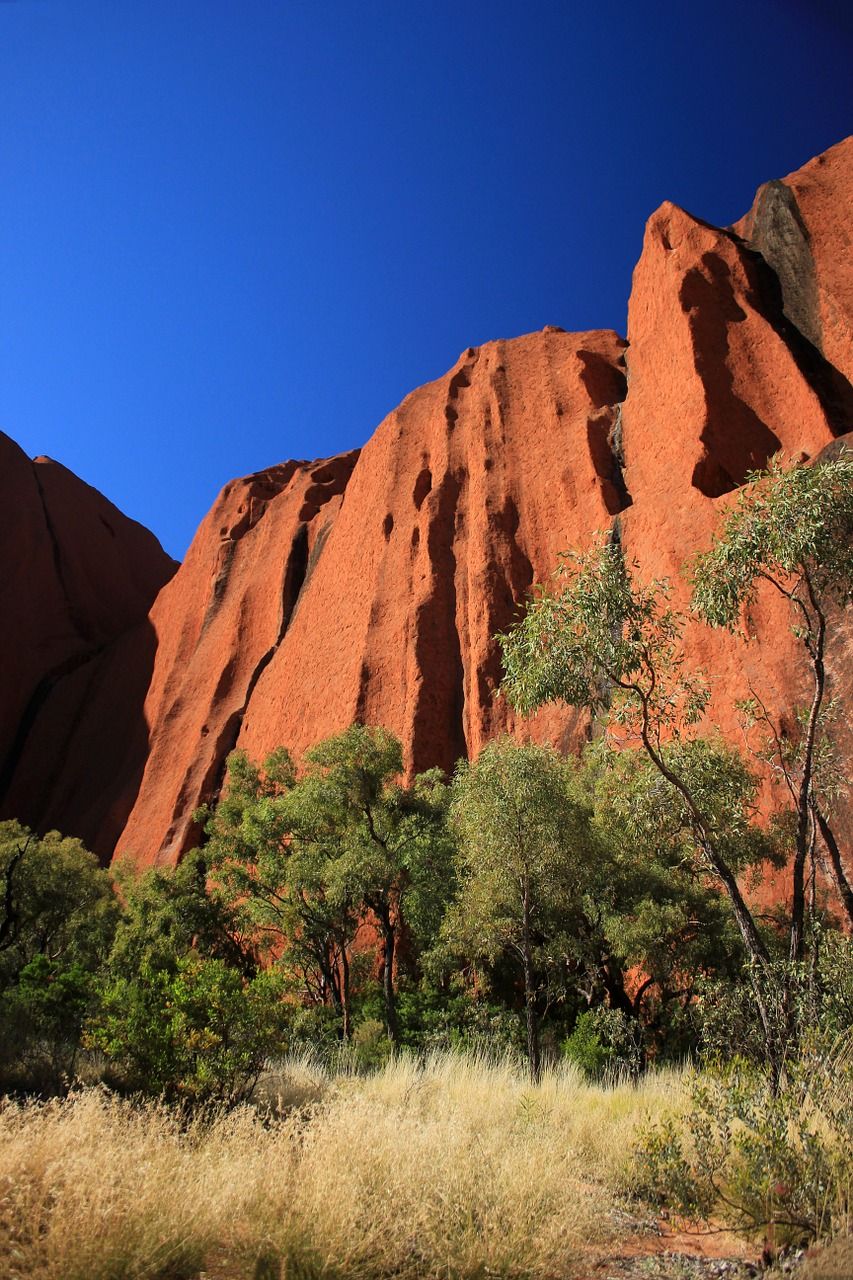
77,759
735,439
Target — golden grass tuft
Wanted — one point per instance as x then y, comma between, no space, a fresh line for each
453,1167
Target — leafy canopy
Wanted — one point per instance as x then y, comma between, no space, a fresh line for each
600,639
791,527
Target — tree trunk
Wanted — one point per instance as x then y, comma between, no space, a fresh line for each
845,893
389,940
531,1024
804,795
760,969
346,1029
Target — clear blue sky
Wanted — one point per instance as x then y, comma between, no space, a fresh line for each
236,231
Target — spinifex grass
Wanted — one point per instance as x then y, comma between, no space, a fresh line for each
454,1167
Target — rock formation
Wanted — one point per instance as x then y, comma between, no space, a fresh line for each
76,653
371,586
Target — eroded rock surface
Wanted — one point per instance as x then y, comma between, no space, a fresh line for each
218,625
371,586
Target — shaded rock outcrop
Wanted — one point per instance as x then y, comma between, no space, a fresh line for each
801,226
78,580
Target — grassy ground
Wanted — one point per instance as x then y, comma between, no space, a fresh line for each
454,1168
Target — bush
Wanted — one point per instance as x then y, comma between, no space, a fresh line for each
371,1047
433,1020
605,1039
41,1018
198,1031
58,915
813,998
761,1160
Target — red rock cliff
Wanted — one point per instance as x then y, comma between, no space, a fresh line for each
76,652
371,586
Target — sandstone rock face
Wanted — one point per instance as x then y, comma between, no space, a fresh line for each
371,586
78,580
720,380
462,498
218,625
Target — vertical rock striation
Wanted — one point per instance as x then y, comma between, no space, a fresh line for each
371,586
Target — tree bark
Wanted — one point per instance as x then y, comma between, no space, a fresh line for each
388,941
752,940
845,892
531,1024
11,920
346,1029
804,795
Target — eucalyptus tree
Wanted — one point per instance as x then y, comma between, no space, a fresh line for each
601,640
270,850
792,528
525,859
57,919
345,846
389,850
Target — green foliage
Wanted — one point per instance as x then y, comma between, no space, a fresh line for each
759,1158
835,977
452,1016
525,855
787,524
606,631
392,853
601,640
197,1030
169,911
311,859
41,1020
605,1040
63,904
793,530
371,1048
60,919
520,831
817,994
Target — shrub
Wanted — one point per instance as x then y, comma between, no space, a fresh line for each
761,1160
198,1031
371,1047
605,1038
41,1018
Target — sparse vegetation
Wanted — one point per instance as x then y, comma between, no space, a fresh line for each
492,975
450,1166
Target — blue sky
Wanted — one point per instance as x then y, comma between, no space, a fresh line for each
236,232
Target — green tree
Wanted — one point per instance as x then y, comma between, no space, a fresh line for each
59,914
389,848
525,854
272,847
603,641
312,858
661,912
194,1029
170,911
793,530
58,901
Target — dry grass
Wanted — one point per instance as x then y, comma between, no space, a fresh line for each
454,1168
